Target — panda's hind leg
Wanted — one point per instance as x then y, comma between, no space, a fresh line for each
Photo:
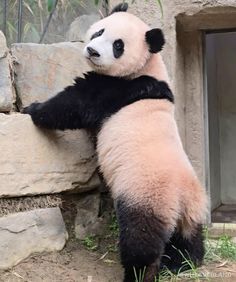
148,273
142,241
182,251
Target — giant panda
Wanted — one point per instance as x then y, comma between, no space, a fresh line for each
126,99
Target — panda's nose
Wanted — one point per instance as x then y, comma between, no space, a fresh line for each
92,52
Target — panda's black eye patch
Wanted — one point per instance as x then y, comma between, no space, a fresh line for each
118,48
97,34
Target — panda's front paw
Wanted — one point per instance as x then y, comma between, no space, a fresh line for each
31,109
35,110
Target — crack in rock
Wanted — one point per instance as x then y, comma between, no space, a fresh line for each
17,232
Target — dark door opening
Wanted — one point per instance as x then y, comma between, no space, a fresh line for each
220,59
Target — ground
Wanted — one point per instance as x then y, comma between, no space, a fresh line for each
96,259
76,264
73,264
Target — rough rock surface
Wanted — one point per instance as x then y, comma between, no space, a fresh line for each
87,221
6,96
22,234
35,161
79,27
44,70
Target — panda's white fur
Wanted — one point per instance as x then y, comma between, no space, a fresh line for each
136,60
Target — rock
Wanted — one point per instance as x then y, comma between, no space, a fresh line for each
6,94
35,161
87,222
79,27
23,234
44,70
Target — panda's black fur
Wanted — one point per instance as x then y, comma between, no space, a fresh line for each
92,99
140,250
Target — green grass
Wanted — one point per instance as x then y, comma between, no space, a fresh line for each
218,249
90,243
108,241
139,277
223,248
226,248
192,272
113,226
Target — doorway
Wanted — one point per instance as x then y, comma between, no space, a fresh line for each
220,61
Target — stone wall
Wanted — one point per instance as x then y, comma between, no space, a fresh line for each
6,93
36,165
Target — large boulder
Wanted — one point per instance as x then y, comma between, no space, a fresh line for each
6,94
35,161
24,233
44,70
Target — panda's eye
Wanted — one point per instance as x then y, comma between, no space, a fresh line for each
118,44
118,48
97,34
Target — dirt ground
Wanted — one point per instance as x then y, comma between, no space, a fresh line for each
76,264
73,264
223,271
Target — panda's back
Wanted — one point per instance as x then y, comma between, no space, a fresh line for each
141,140
141,157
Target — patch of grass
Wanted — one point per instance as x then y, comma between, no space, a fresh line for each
167,275
112,233
192,274
226,248
210,251
90,243
139,277
113,226
112,248
218,249
210,248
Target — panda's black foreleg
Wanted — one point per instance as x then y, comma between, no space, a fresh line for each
142,241
180,252
63,111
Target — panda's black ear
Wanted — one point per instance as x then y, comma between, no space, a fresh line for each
155,40
122,7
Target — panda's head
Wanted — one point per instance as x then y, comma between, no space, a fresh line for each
121,44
